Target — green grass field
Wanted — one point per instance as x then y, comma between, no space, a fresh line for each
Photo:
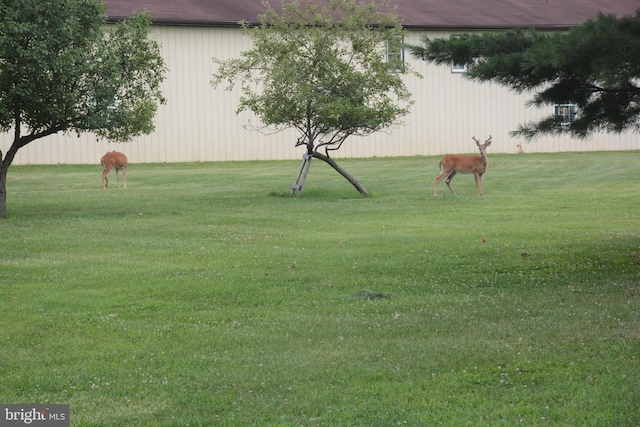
204,295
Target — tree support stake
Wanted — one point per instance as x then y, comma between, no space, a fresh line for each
302,174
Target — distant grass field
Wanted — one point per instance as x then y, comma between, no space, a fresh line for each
204,295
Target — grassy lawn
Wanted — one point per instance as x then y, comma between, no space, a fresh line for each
204,295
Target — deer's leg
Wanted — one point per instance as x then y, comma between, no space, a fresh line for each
449,179
105,181
478,178
442,176
124,176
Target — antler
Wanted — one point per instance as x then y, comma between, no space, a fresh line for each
487,139
474,138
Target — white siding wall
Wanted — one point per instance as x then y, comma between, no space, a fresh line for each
199,123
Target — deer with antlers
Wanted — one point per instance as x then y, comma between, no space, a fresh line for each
451,164
114,160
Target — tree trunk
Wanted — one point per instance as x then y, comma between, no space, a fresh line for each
3,191
18,143
341,171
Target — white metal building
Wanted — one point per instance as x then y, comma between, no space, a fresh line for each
198,122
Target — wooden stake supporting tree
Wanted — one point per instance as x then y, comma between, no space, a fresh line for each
302,174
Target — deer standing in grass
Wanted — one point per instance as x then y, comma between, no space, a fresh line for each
111,160
451,164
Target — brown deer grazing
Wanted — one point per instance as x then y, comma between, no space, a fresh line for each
111,160
451,164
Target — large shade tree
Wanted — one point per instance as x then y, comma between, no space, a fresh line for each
330,71
595,66
63,70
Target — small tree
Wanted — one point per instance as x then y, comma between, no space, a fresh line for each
62,71
595,66
323,71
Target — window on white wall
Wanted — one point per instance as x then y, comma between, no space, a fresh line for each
565,113
395,54
458,68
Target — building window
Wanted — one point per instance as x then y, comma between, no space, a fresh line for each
395,54
458,68
565,114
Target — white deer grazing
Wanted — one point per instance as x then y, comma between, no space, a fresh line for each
111,160
451,164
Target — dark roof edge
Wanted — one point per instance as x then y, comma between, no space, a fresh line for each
183,22
236,24
487,28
